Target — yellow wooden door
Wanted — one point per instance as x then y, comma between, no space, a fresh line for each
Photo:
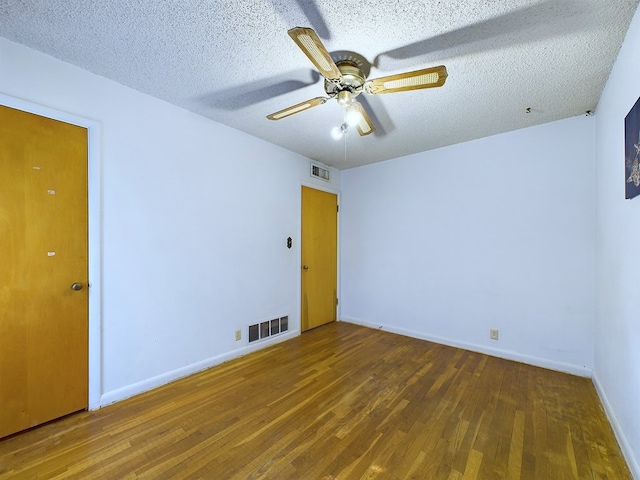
43,253
319,257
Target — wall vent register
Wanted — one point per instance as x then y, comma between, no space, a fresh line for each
268,328
320,172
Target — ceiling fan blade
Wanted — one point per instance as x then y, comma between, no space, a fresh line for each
426,78
313,48
364,125
300,107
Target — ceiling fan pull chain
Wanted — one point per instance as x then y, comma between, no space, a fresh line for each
345,145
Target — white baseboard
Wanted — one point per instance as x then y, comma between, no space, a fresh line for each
168,377
495,352
629,456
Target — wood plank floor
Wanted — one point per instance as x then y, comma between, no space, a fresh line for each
338,402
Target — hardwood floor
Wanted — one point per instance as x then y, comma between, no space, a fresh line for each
338,402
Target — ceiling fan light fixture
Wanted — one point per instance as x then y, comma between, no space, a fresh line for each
344,97
364,126
352,116
338,132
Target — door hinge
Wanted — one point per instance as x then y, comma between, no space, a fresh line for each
337,301
337,208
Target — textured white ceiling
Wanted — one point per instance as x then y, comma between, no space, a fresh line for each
234,62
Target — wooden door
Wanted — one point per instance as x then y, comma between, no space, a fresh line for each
319,257
43,252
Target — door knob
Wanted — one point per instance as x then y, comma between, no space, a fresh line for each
76,286
305,267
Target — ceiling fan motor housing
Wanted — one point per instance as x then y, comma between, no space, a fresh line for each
349,86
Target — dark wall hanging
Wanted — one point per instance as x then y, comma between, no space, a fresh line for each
632,152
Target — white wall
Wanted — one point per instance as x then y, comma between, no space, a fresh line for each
494,233
193,218
617,325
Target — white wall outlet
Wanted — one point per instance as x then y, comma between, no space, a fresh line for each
238,335
493,334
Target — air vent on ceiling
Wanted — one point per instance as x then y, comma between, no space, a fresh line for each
320,172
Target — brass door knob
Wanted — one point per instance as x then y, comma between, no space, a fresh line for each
76,286
305,267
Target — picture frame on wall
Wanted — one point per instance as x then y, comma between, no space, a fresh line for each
632,152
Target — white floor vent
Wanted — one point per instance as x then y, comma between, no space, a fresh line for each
268,328
320,172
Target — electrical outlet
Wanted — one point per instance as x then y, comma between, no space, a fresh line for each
238,335
493,334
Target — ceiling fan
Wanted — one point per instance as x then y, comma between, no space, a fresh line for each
344,80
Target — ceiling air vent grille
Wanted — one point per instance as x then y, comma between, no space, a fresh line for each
320,172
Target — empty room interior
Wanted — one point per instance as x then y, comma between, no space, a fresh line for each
308,239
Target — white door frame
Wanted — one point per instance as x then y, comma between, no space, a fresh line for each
94,129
